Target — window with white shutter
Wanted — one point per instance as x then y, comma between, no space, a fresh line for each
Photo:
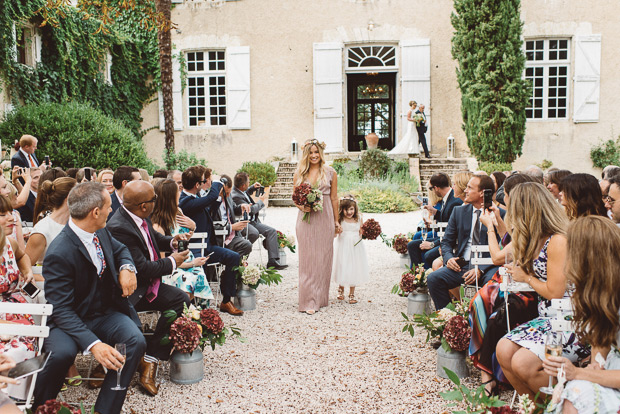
238,79
177,99
328,90
587,79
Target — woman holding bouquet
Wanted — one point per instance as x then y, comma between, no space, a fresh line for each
316,227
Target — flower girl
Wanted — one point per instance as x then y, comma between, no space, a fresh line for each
350,266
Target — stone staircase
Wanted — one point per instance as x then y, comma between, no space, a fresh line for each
428,167
281,192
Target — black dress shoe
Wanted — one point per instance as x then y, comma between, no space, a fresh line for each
276,265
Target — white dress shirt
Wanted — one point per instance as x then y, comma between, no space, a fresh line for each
467,252
28,157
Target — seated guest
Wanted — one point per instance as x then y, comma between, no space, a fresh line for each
464,230
554,184
80,177
72,172
106,177
226,211
498,178
8,191
51,174
121,177
582,196
7,406
24,157
160,174
144,175
196,209
610,171
459,184
612,197
426,251
169,220
242,195
131,226
536,172
592,266
88,277
176,175
22,197
27,211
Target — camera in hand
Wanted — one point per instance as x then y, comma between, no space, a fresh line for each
424,201
183,245
488,199
87,174
260,191
245,216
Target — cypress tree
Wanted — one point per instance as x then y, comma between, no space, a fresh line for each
487,45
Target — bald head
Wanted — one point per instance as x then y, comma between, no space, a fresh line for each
139,198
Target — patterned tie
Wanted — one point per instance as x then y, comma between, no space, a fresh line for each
99,254
153,289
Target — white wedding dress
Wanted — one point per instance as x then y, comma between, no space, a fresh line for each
409,143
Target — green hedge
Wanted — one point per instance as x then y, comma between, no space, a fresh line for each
606,153
261,172
182,160
75,135
489,167
377,200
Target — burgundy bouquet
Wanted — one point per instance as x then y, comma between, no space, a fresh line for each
185,335
370,230
457,333
54,407
211,321
400,243
306,196
407,282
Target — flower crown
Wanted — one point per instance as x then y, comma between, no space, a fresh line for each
313,141
348,197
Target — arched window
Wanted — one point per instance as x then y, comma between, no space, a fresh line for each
371,56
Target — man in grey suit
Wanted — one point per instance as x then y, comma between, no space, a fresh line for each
241,194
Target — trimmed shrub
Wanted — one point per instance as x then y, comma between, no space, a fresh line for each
261,172
75,135
378,200
489,167
182,160
606,153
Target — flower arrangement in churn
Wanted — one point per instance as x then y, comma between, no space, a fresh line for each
195,327
399,243
413,280
286,241
60,407
370,230
306,196
254,275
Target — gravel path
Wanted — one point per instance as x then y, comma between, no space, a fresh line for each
344,359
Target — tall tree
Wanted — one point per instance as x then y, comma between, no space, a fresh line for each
163,8
488,48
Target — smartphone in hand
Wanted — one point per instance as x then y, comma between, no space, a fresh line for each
488,199
461,262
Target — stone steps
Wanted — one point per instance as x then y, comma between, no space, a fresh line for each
450,166
281,192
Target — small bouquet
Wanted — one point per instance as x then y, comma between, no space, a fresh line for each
457,333
418,119
370,230
399,243
255,275
307,196
286,241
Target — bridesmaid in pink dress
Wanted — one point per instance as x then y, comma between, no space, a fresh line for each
315,239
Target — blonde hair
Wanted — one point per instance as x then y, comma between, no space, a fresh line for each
592,266
27,140
304,164
533,215
101,173
411,103
460,179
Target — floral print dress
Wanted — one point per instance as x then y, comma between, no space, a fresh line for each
531,335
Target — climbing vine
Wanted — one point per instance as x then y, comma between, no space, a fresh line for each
73,59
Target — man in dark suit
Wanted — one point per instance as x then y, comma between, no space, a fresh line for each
464,230
422,128
121,177
131,226
88,277
226,211
241,195
27,210
25,157
196,208
426,252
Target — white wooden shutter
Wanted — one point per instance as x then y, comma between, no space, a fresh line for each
177,1
38,43
328,113
177,99
415,80
238,86
587,80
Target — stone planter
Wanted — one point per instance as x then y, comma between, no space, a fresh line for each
418,303
454,361
405,260
282,256
186,368
246,298
372,140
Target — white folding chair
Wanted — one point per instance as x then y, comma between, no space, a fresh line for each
39,330
477,260
218,267
440,228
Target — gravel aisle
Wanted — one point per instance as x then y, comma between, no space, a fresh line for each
344,359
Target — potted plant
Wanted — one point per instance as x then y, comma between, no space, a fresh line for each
399,244
285,241
372,140
59,407
414,283
249,277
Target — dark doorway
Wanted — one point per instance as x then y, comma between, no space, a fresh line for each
370,108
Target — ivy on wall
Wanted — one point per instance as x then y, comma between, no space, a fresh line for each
73,58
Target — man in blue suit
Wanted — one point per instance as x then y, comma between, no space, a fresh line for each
196,208
25,157
464,230
122,176
426,251
88,278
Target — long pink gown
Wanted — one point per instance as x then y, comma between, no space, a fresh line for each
316,251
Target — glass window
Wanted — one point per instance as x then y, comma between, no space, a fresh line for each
371,56
206,87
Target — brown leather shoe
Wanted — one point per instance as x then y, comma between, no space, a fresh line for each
98,372
148,376
230,308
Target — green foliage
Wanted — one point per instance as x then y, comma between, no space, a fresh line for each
261,172
606,153
182,160
375,163
489,167
376,200
73,58
475,401
545,164
488,48
76,135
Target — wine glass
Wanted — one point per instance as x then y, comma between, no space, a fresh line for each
424,234
509,259
122,349
553,347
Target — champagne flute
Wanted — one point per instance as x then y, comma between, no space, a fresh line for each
553,347
122,349
424,234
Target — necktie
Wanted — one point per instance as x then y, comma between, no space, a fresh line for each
151,292
32,164
232,232
476,235
99,254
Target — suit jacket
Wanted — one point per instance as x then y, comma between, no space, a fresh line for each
71,282
443,214
232,210
116,204
239,197
20,160
458,231
125,230
27,210
422,128
196,208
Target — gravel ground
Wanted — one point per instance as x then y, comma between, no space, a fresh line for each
344,359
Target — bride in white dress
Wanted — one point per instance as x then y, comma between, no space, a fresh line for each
408,143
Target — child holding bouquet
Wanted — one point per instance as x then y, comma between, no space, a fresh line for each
350,266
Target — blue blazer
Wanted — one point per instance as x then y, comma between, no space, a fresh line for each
197,208
71,282
443,214
20,160
27,210
116,204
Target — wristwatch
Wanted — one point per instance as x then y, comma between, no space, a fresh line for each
129,267
432,245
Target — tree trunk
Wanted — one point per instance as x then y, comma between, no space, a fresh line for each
165,63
